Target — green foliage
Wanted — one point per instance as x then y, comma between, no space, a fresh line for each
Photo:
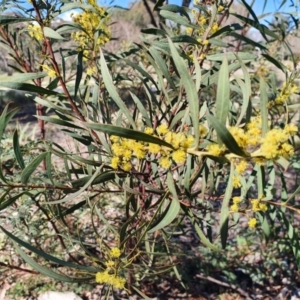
211,125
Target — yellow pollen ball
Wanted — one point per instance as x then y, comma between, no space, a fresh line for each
179,156
115,252
110,263
35,31
236,200
234,208
291,129
50,72
165,162
252,223
241,166
214,149
162,129
255,205
115,162
154,148
148,130
126,166
202,131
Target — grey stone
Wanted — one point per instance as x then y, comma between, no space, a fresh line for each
51,295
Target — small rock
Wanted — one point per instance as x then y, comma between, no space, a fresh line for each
50,295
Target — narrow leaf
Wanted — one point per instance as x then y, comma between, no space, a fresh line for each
17,150
232,56
222,103
23,77
79,72
173,208
80,191
5,20
27,87
263,105
177,19
190,88
58,122
46,255
176,9
226,136
3,121
32,167
275,62
264,30
50,33
127,133
200,233
223,229
113,92
46,271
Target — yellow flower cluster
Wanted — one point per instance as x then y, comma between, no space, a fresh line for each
252,223
216,149
125,150
201,33
273,145
110,275
236,182
115,281
115,252
236,204
215,27
240,165
91,70
35,31
220,8
92,22
202,20
253,131
50,72
287,90
258,206
202,131
262,71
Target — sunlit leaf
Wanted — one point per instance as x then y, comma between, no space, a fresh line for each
222,101
23,77
50,33
232,56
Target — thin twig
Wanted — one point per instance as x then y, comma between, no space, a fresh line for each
229,285
18,268
153,22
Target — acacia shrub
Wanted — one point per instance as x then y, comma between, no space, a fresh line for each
205,136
